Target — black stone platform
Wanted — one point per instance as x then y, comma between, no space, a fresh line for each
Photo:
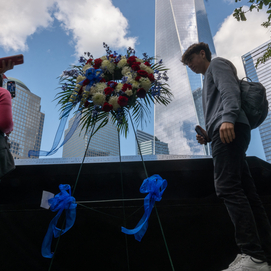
196,225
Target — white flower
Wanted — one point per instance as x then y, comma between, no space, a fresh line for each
114,102
123,57
149,70
86,67
146,68
122,63
139,60
145,83
129,92
135,84
98,98
130,76
98,88
101,86
126,70
80,78
108,66
103,58
118,87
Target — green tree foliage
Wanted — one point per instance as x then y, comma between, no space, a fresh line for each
240,15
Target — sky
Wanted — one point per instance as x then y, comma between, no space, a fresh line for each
55,33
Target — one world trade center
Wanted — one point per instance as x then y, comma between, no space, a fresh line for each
178,24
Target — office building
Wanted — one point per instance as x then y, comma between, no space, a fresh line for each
28,121
103,143
150,145
261,74
178,24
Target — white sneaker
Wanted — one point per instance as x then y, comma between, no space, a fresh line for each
246,263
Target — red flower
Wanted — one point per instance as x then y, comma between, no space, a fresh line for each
151,77
103,80
97,63
142,73
86,82
131,60
107,107
137,78
108,91
80,91
125,87
112,84
141,93
122,101
135,66
147,63
112,56
87,103
89,61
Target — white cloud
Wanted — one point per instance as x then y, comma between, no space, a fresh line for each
235,39
89,22
93,22
20,19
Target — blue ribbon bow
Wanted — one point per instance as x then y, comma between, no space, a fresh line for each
93,75
61,201
155,186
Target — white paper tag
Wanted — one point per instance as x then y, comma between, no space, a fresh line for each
44,199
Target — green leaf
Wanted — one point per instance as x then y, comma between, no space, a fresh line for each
243,16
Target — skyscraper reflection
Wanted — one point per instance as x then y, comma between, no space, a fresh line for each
178,24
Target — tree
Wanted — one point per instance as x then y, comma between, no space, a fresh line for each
240,15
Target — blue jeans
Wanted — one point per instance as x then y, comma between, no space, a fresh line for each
235,185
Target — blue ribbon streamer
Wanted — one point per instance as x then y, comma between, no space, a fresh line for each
61,201
155,186
59,133
94,77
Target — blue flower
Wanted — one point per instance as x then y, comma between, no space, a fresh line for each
82,59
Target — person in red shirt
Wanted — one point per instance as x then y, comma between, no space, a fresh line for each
6,124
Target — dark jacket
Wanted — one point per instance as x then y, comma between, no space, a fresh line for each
221,98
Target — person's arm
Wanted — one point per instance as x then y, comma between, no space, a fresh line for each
6,67
6,122
226,81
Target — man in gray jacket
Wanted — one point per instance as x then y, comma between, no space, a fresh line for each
228,128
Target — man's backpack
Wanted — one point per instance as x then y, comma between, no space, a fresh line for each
254,102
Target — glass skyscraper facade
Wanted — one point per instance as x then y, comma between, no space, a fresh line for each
149,144
28,121
261,74
103,143
178,24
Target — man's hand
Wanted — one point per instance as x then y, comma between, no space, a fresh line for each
6,67
201,140
226,132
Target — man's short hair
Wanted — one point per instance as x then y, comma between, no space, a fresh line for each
196,48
